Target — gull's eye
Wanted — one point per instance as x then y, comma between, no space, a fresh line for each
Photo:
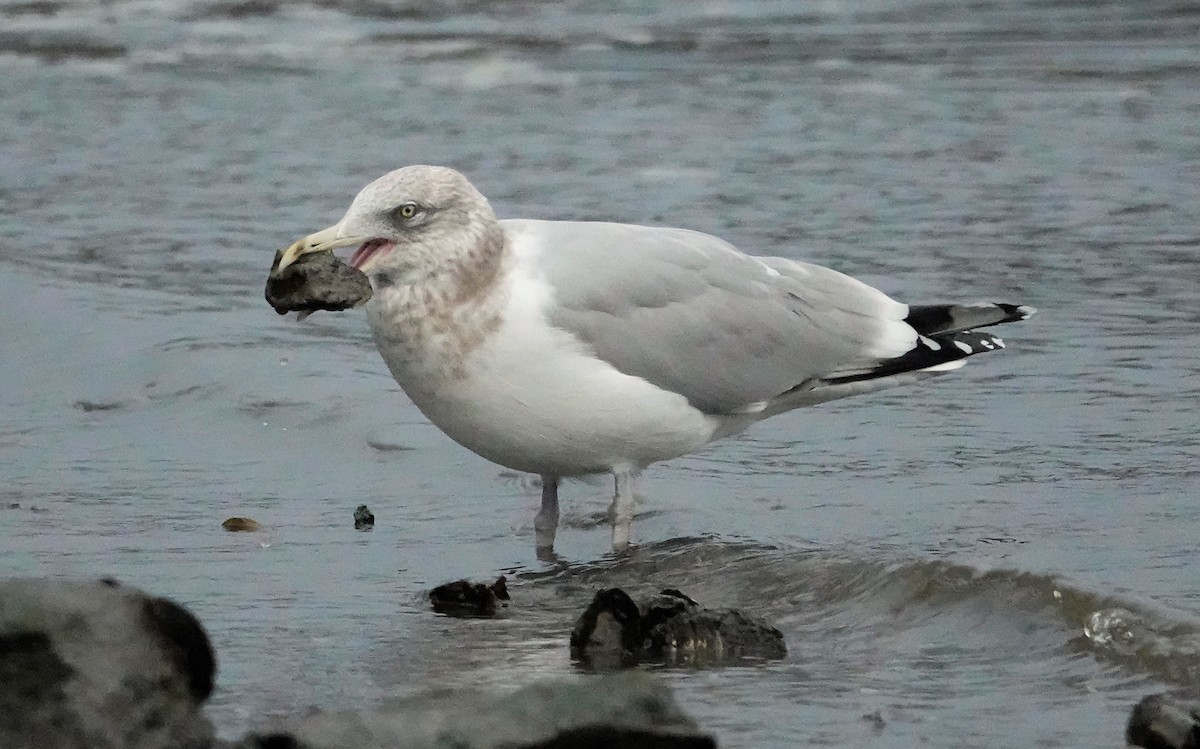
406,211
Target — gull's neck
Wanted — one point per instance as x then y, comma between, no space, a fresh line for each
428,324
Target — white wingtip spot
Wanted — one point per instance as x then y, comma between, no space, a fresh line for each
1026,311
998,341
963,347
752,408
946,366
931,344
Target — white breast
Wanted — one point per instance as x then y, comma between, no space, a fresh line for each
529,396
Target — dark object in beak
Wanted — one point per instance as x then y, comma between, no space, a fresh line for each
316,281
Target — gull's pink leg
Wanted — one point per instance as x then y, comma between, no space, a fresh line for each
545,524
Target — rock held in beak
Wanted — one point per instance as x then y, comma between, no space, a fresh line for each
316,281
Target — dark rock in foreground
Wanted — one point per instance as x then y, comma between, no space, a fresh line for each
626,710
98,665
466,599
316,281
1160,722
670,627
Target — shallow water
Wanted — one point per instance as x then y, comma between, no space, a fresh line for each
1003,557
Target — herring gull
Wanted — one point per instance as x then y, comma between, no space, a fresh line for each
564,348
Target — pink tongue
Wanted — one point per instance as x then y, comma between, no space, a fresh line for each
364,253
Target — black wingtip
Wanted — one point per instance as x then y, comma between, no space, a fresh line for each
1017,312
930,352
944,319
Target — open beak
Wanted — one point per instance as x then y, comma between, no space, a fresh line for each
325,240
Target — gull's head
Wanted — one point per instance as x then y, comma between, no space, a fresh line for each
408,222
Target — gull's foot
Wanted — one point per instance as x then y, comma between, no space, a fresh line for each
621,547
544,537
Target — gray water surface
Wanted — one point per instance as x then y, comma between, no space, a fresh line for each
1001,557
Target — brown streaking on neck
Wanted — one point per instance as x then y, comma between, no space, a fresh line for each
476,274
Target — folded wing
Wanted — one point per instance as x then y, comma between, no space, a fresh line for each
691,314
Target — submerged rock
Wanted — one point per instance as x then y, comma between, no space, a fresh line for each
316,281
617,710
363,519
102,666
236,525
466,599
614,631
1161,722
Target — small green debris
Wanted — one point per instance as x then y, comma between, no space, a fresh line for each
363,519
